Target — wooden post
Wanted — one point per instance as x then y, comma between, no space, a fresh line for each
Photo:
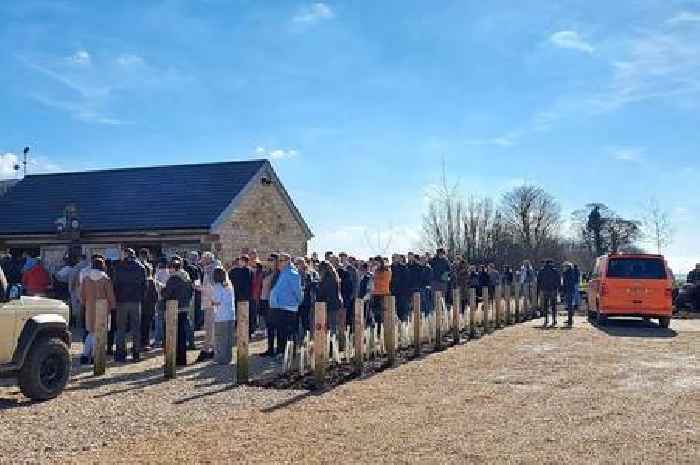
456,311
320,352
516,290
416,322
508,297
170,338
389,328
473,332
438,320
485,309
359,333
99,348
242,326
497,302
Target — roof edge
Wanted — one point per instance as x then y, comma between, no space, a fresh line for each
135,168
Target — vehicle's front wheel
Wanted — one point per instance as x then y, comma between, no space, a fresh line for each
665,322
46,370
600,318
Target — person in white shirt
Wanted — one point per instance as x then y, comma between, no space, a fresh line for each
222,301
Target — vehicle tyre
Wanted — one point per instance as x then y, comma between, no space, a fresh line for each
46,370
665,322
600,318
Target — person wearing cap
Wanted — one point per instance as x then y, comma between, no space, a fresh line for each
129,289
549,284
286,297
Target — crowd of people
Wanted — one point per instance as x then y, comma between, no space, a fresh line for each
281,291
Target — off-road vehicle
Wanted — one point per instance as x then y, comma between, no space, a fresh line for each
34,345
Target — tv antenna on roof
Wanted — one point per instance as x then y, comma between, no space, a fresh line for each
24,162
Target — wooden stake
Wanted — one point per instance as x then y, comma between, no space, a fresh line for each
472,313
389,328
485,309
170,338
517,303
242,327
416,322
359,333
320,346
98,350
438,320
508,294
456,312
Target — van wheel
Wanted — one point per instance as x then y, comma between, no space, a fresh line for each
601,319
665,322
46,370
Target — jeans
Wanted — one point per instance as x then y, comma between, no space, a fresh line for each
183,329
128,313
160,321
550,303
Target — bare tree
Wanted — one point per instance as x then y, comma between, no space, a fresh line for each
379,241
442,224
658,229
533,214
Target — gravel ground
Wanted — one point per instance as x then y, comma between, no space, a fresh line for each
131,400
628,393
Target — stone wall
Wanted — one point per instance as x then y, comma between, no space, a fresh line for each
263,222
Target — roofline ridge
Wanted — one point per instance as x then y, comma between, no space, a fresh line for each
135,168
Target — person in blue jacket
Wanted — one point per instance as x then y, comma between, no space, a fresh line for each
286,296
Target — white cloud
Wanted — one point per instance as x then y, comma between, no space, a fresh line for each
276,154
628,154
7,165
571,40
313,13
9,160
80,57
684,17
128,59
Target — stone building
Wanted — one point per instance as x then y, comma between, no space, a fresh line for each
221,207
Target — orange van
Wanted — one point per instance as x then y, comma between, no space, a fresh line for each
631,285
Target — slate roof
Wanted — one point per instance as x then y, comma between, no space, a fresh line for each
129,199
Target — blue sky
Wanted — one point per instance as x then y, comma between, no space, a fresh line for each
357,103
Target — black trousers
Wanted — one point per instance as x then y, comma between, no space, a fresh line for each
550,304
403,306
146,323
287,328
112,330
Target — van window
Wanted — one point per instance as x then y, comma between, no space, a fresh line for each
636,268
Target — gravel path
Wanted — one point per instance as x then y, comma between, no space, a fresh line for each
132,399
629,393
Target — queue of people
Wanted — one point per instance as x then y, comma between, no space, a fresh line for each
281,291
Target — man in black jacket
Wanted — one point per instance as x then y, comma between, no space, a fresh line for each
400,287
129,290
549,283
441,271
179,287
241,276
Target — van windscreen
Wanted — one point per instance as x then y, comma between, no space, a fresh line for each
636,268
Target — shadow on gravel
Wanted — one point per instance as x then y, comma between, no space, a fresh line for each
625,327
8,404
